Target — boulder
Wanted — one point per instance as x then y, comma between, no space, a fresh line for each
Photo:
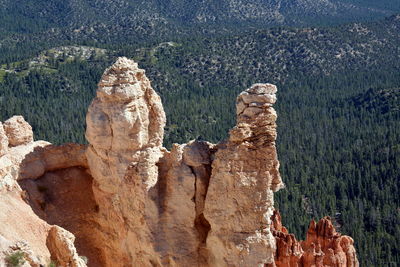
18,131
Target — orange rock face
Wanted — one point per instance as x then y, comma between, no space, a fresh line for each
323,246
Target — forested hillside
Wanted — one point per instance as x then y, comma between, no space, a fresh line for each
40,24
30,16
338,101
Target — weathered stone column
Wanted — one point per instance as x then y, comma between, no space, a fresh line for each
125,127
239,201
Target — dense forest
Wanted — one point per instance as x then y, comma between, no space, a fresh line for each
32,16
338,107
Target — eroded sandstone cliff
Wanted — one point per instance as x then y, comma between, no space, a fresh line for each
23,232
128,201
323,246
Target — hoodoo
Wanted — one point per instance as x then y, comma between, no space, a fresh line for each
128,201
125,127
245,173
323,246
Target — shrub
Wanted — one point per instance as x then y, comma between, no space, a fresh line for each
15,259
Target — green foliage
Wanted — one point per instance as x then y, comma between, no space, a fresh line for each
52,264
383,101
2,74
15,259
33,16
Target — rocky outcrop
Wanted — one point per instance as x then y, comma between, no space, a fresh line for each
23,233
21,230
326,247
64,197
125,127
22,158
18,252
184,177
3,141
175,216
49,158
323,246
12,161
125,123
288,249
61,246
131,202
32,160
244,176
18,131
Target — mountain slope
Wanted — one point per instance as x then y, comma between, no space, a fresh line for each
33,16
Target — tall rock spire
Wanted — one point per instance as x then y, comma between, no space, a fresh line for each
245,173
124,120
125,127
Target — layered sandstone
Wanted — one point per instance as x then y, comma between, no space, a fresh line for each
244,176
175,216
182,188
125,124
61,246
22,230
323,246
125,127
150,200
18,131
124,200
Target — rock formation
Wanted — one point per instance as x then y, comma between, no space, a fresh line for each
128,201
18,131
125,123
22,232
244,176
323,246
61,246
3,141
125,127
181,202
184,178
